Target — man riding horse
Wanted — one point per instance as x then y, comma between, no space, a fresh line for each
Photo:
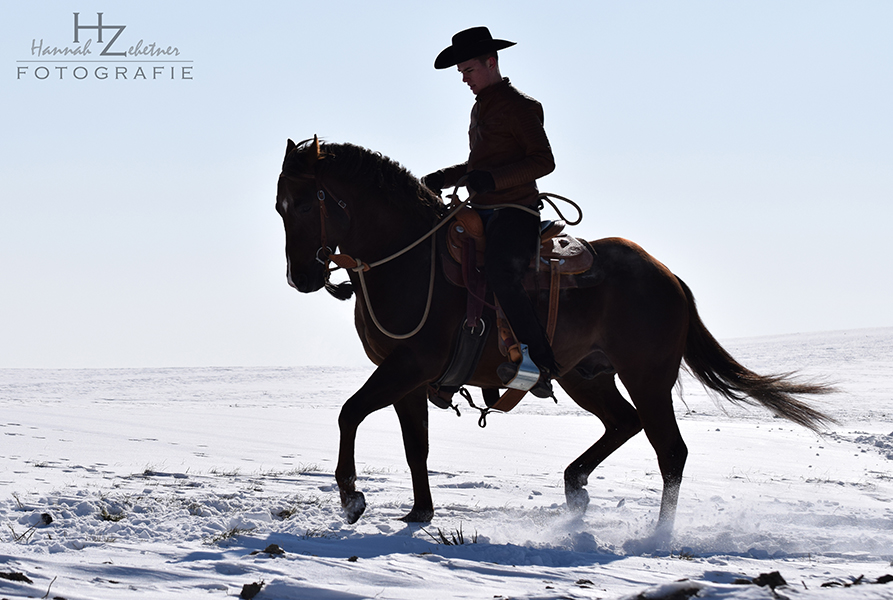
509,152
635,316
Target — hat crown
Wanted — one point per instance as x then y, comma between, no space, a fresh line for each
475,35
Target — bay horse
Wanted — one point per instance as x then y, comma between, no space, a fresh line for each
640,318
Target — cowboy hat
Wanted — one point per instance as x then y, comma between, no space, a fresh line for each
469,44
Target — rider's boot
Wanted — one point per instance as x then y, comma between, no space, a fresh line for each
526,375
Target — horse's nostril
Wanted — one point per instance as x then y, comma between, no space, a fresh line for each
299,282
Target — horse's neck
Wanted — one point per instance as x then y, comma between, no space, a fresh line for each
378,228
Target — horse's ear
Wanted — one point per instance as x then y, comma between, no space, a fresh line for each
289,147
315,154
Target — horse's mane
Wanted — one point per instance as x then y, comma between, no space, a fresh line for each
367,168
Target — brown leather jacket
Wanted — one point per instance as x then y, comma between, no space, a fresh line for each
508,140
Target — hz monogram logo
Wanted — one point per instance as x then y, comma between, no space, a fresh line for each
120,58
99,27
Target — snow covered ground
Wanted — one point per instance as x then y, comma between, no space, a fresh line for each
170,483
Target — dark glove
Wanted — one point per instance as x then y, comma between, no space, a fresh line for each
480,181
434,181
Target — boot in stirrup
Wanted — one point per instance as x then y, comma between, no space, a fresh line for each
526,376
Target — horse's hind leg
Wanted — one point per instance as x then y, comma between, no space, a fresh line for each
655,406
412,411
600,397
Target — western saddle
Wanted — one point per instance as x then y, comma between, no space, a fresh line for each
561,257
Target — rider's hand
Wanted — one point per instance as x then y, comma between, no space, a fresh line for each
434,181
480,181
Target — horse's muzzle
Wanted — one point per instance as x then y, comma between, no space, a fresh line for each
303,282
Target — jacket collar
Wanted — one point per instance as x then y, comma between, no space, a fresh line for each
493,88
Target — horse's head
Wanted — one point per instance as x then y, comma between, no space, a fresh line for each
318,199
302,203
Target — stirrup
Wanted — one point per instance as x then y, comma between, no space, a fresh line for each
527,374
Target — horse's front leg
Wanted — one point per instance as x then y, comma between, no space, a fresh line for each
397,376
413,413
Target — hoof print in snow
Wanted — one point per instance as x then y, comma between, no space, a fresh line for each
15,577
883,579
680,590
273,550
771,580
250,590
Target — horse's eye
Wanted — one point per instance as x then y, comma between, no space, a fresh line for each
306,208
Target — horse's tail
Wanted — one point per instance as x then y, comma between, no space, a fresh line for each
715,368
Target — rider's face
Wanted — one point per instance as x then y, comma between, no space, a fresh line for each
478,74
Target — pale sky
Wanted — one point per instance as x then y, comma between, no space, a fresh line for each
748,145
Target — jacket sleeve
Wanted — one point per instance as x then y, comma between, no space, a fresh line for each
452,174
527,128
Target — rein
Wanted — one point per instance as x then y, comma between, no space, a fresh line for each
547,196
356,265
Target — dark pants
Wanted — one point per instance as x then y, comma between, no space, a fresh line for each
513,237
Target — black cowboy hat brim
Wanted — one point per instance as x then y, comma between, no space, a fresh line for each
452,55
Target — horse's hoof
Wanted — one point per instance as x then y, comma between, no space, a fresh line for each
577,500
418,516
354,505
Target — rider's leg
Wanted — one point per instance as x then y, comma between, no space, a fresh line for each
512,241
